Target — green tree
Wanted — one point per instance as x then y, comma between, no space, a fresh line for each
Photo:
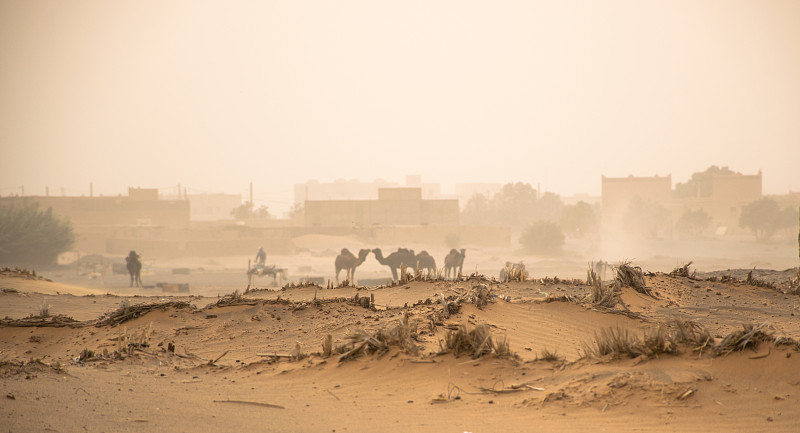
693,223
542,237
579,220
29,235
765,217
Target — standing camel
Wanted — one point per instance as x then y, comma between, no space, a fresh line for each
454,260
426,261
347,261
134,266
396,260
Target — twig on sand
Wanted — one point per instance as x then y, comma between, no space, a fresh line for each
191,356
510,389
253,403
334,395
769,350
218,358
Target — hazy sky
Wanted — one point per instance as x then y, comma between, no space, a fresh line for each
213,95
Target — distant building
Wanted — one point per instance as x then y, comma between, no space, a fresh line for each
213,207
722,195
342,189
617,193
339,189
141,207
394,206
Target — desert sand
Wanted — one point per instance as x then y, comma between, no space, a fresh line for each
257,361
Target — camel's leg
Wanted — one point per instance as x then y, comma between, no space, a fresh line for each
394,274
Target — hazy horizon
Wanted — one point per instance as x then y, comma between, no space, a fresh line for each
215,95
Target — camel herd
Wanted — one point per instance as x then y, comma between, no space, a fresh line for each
403,257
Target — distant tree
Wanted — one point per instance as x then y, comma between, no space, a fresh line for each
578,220
297,211
693,223
478,211
542,237
513,206
646,218
29,235
246,211
765,217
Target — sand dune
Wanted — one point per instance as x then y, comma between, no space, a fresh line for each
221,375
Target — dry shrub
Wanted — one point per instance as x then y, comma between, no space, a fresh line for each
794,283
691,333
402,335
234,298
513,272
631,276
758,283
127,312
605,296
480,295
592,279
682,271
749,336
476,343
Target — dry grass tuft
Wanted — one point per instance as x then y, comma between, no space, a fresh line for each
668,337
402,335
476,343
546,355
617,341
44,312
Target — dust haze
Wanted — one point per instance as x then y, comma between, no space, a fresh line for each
212,96
421,216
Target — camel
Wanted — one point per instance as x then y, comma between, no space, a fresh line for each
347,261
454,260
426,261
397,259
134,266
